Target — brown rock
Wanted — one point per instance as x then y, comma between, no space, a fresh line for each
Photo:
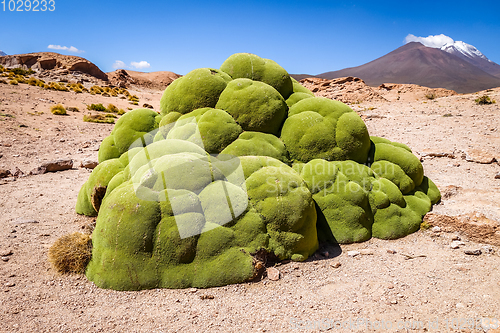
273,274
479,156
5,173
88,164
475,226
17,172
53,166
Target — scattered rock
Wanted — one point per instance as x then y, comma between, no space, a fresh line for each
336,264
207,296
10,284
434,154
5,253
5,173
479,156
53,166
456,238
366,252
487,249
460,306
394,301
353,253
456,244
88,164
5,259
146,105
436,229
192,290
273,274
391,251
17,172
473,252
450,191
497,176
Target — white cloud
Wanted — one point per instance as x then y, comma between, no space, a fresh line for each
119,64
71,49
140,65
436,41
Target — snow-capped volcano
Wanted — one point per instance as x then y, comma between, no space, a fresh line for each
2,53
460,49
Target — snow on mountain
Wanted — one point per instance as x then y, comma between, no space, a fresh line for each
465,49
2,53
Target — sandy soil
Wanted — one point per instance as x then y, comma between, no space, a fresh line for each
415,284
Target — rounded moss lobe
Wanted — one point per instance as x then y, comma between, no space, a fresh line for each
130,127
253,67
211,129
254,105
258,144
321,128
200,88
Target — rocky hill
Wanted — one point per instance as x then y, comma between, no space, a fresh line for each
55,62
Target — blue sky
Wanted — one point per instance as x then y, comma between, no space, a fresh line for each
302,36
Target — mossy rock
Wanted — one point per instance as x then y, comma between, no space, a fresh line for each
298,88
321,128
253,67
211,129
255,105
138,123
258,144
397,163
194,233
200,88
295,97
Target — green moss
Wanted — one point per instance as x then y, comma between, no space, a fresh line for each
200,88
210,128
321,128
253,67
130,256
254,105
258,144
295,97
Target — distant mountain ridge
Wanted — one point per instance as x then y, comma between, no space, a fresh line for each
414,63
2,53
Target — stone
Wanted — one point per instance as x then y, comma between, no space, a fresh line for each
5,173
391,251
273,274
53,166
460,306
456,238
366,252
336,264
88,164
497,176
17,172
353,253
473,252
436,229
5,253
487,249
456,244
479,156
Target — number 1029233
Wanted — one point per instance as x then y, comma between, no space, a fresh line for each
28,5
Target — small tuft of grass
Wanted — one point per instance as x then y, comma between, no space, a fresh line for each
431,96
484,100
447,115
99,118
58,109
96,107
425,225
13,82
71,253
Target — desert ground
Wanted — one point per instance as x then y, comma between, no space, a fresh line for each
415,284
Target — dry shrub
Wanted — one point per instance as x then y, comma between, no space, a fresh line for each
71,253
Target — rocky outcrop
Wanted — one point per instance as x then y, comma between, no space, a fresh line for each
154,80
52,61
345,89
